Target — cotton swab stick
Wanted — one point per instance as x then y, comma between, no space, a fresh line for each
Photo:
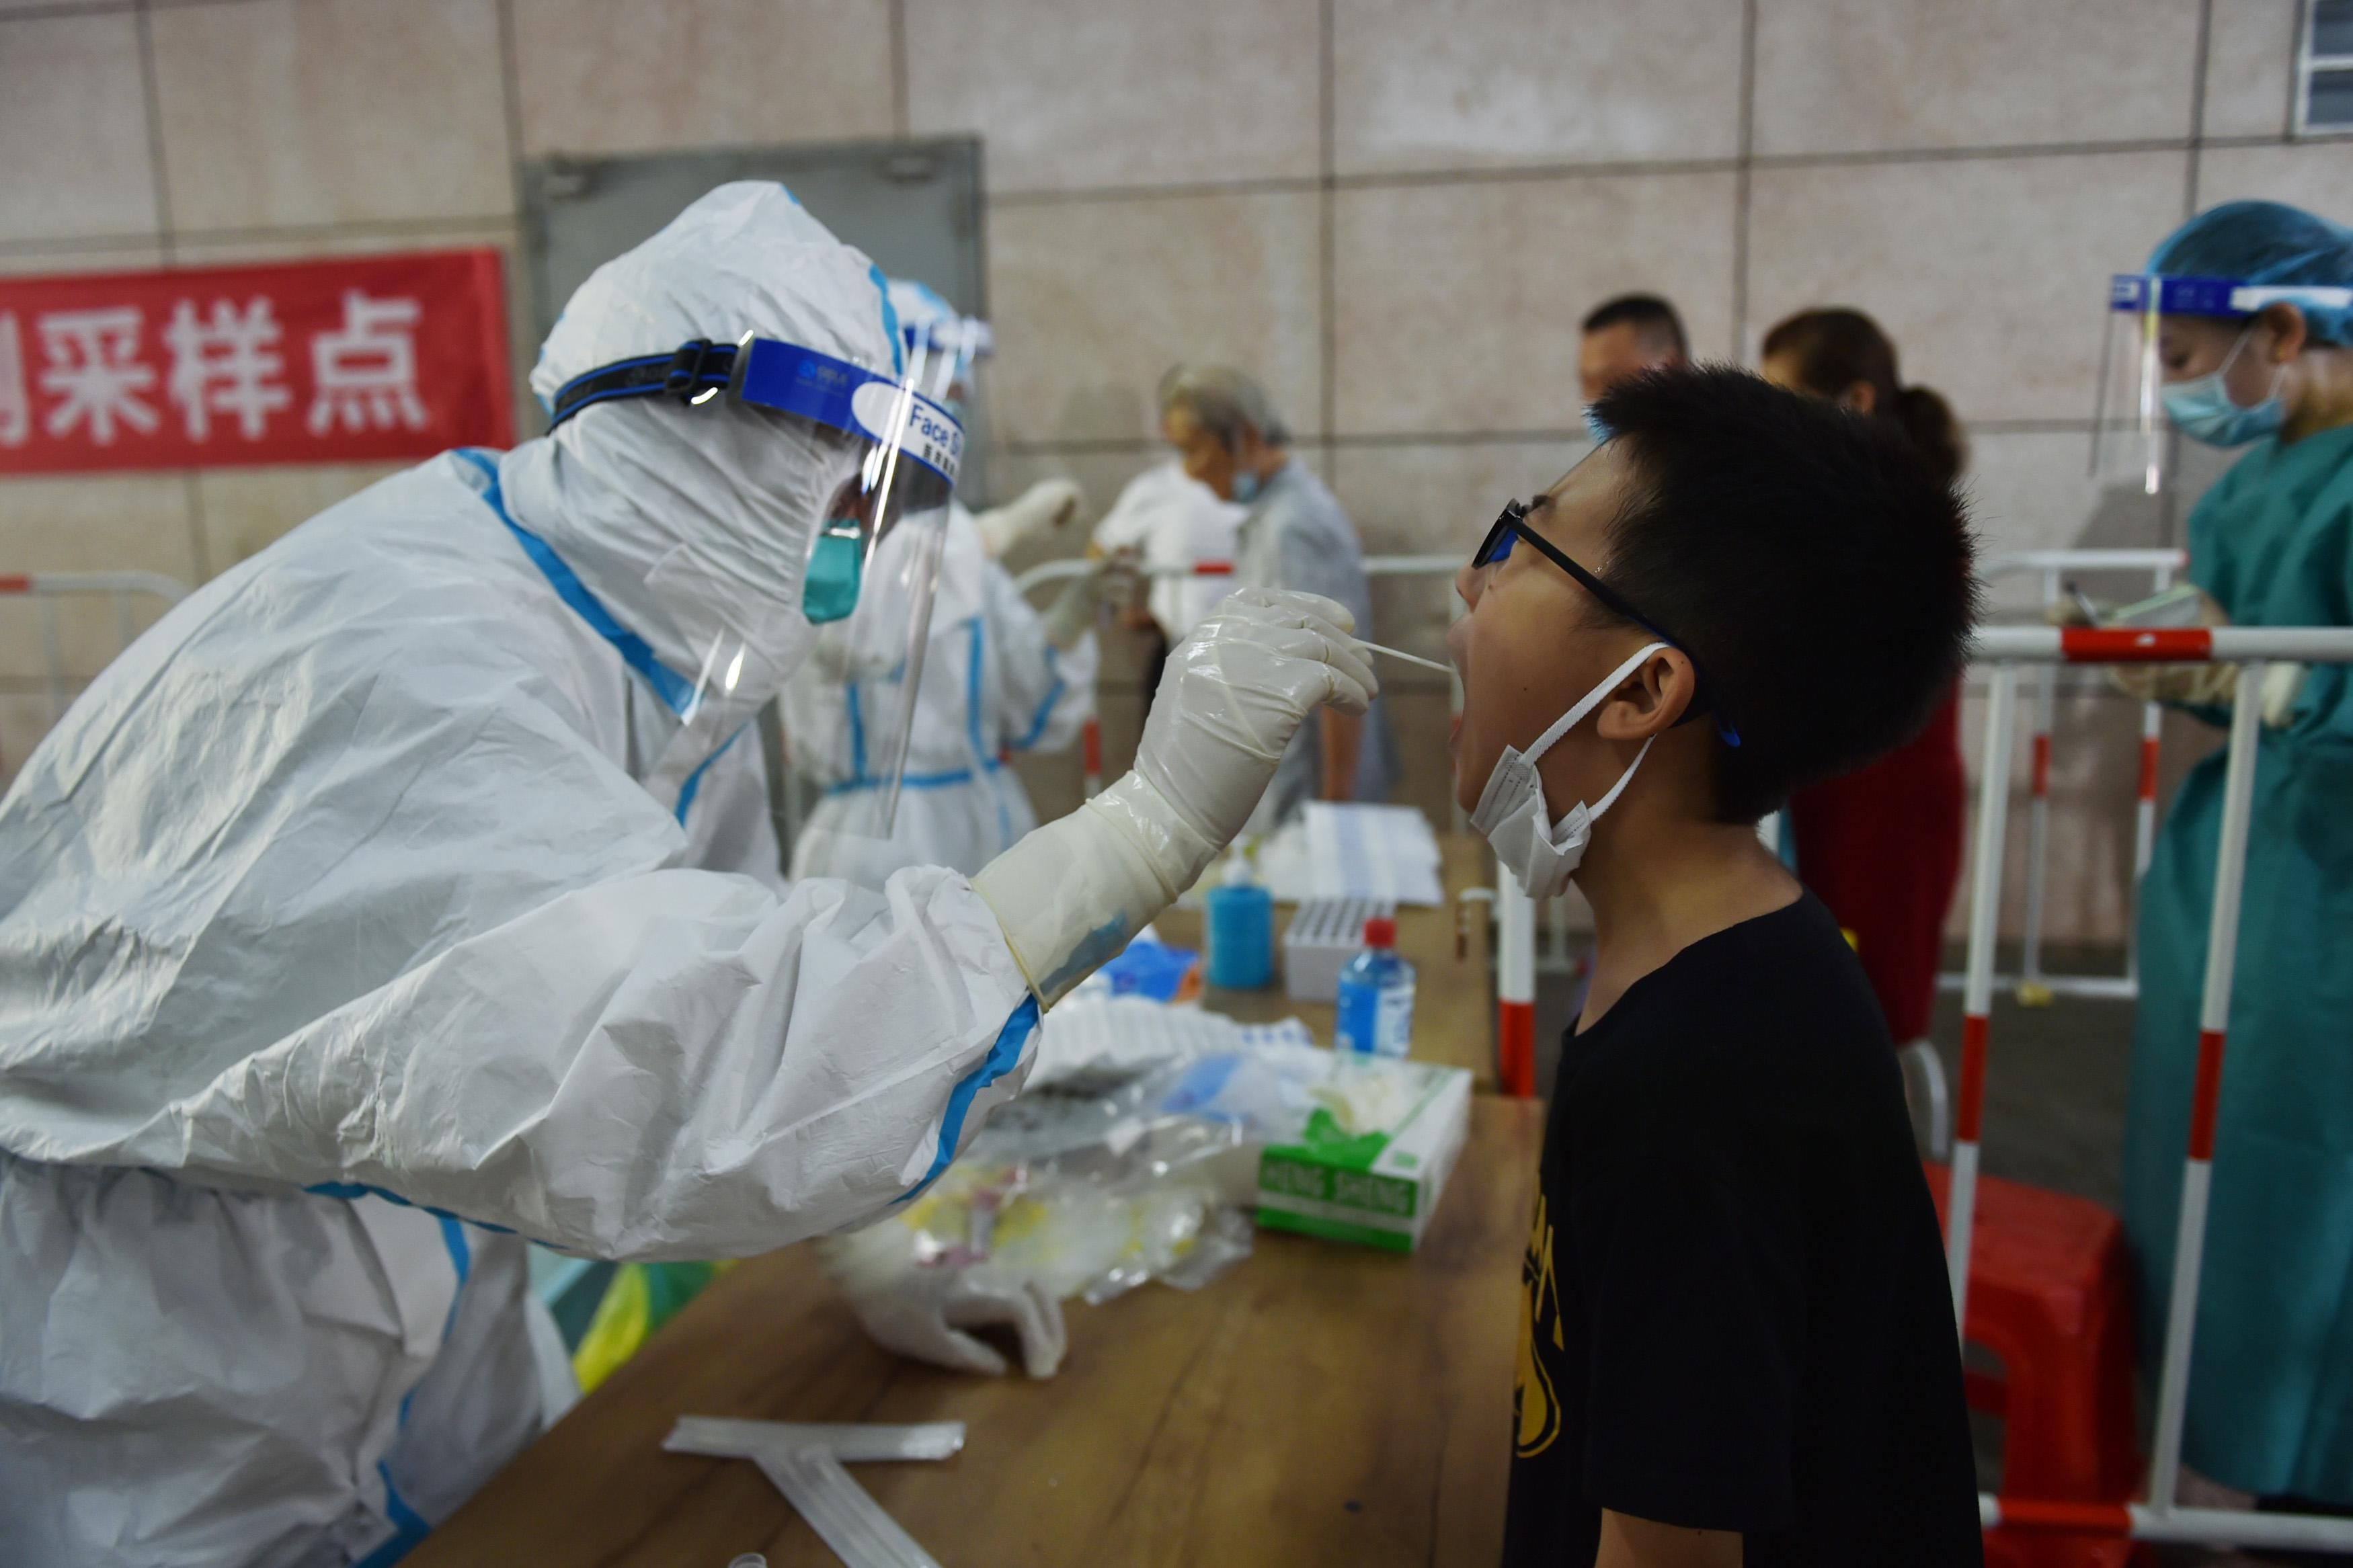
1407,658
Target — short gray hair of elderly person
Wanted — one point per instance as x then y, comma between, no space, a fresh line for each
1222,400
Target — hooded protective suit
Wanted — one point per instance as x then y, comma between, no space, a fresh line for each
400,896
379,904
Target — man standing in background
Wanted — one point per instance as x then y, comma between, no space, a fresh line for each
1230,437
1626,336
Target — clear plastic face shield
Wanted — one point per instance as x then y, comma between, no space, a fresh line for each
2178,360
873,561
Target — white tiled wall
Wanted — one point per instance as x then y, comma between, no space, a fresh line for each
1094,300
1457,305
1988,273
1394,210
1068,97
635,76
73,118
1880,76
300,113
1427,88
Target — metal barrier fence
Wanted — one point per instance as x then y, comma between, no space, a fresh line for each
47,587
2053,568
2009,651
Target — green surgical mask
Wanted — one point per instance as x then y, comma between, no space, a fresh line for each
829,591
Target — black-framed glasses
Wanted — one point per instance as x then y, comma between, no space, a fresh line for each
1512,525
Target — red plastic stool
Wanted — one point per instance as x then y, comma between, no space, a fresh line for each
2051,1294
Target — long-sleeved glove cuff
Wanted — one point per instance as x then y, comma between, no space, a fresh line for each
1030,513
1070,894
1072,613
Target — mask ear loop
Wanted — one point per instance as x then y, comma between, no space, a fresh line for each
1593,812
1589,701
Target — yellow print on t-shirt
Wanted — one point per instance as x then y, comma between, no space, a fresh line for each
1534,1406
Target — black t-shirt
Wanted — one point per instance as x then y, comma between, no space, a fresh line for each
1738,1316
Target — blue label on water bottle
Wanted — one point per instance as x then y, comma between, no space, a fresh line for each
1357,1025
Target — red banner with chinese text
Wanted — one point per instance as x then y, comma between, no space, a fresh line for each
358,360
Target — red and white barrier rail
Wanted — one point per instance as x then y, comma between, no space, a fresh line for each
47,587
1515,986
2251,649
2053,568
2146,1521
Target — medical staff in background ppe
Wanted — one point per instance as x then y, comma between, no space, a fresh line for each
373,913
1293,535
1169,525
998,677
2270,1387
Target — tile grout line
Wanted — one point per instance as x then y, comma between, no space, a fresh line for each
153,103
511,89
901,113
1326,235
1741,181
1631,168
2199,58
1117,445
191,489
2168,519
2294,68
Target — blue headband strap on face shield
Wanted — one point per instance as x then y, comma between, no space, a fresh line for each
785,378
2227,297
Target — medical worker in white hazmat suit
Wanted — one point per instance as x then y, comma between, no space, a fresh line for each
399,897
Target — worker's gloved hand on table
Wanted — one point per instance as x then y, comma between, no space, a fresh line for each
922,1310
1039,509
1070,894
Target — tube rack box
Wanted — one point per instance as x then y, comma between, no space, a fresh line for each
1323,935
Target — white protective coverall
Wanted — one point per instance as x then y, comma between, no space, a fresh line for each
1177,523
362,920
369,911
993,684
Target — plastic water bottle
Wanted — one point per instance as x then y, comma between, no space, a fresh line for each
1376,1011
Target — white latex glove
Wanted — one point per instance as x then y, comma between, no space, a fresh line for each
1072,615
2193,685
1070,894
2213,686
1042,508
920,1310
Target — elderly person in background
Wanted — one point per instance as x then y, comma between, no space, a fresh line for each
1226,433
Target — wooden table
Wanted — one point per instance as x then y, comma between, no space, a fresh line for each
1319,1404
1454,999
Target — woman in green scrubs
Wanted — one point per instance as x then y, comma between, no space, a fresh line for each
2271,1389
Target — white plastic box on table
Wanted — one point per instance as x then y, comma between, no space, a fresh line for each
1323,934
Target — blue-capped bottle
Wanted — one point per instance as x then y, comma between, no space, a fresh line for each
1375,1011
1240,929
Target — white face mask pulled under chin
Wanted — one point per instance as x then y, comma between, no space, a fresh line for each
1512,817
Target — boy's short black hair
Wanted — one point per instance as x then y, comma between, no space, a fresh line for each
1821,576
1651,316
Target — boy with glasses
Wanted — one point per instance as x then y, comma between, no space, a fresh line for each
1738,1343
